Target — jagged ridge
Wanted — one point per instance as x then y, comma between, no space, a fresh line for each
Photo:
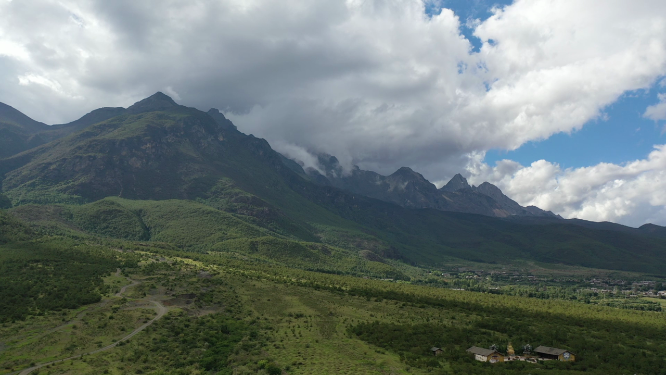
410,189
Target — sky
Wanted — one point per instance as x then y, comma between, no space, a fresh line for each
560,103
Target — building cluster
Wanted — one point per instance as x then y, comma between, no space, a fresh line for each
541,353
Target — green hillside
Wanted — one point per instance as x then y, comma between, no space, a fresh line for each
18,132
40,274
194,227
12,230
164,157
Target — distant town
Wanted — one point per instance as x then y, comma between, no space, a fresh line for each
613,291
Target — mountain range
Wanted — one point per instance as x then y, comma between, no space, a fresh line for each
157,150
410,189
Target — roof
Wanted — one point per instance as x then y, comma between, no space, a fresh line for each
434,349
549,350
481,351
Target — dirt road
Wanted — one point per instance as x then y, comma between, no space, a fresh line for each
159,308
123,289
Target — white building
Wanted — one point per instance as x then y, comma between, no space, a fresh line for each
486,355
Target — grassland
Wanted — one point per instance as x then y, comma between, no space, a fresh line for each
271,319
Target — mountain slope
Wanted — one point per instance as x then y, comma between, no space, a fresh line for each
18,132
172,153
11,116
158,150
195,227
155,155
429,235
508,205
59,131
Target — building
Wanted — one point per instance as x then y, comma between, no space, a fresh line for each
486,355
546,352
436,350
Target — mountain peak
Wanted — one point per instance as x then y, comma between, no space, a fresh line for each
405,176
221,121
655,230
328,161
489,189
156,102
330,165
404,170
11,115
408,174
160,96
458,182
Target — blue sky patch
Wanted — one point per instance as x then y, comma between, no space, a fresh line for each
621,135
466,10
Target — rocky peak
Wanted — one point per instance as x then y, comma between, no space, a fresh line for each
458,182
330,165
406,175
509,205
490,190
328,161
221,121
156,102
409,188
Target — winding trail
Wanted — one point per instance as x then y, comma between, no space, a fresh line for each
123,289
159,308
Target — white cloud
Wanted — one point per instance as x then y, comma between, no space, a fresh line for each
374,82
385,72
658,111
13,50
631,193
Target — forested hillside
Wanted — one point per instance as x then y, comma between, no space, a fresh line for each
159,150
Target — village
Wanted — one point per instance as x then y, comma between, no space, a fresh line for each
626,293
492,355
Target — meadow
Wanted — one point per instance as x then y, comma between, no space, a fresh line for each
244,316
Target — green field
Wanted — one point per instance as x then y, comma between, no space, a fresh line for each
272,318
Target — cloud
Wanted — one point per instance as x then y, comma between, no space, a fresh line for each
377,83
631,193
658,111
